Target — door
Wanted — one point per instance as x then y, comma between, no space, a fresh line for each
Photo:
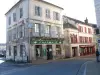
15,52
49,52
39,53
74,51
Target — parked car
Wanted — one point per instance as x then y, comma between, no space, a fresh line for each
2,55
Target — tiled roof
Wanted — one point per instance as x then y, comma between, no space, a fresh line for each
77,21
68,25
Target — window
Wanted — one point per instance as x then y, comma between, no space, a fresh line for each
21,50
21,31
47,13
37,27
85,29
38,11
14,17
90,39
89,30
9,20
58,31
73,38
86,39
56,16
21,12
48,29
80,39
9,50
80,29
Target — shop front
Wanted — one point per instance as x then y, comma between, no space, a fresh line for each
47,47
87,49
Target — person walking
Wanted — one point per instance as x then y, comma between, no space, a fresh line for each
97,55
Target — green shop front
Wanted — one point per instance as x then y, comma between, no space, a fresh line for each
47,48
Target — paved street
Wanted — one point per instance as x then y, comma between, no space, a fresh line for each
75,66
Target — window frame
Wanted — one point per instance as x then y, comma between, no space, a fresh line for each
56,16
9,20
47,11
38,11
21,12
14,17
37,30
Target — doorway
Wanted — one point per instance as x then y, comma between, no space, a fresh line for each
39,53
74,49
49,52
15,51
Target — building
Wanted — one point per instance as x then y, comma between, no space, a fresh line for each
97,10
78,37
2,48
34,31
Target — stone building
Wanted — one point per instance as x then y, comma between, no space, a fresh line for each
34,31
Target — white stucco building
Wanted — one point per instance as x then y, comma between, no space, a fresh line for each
34,31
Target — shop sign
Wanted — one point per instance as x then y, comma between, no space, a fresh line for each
21,22
46,42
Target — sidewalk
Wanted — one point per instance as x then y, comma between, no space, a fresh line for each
42,61
93,68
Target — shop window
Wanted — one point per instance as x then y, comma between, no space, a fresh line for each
58,50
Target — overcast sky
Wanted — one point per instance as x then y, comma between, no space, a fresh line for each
79,9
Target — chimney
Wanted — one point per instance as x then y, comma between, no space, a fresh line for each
86,20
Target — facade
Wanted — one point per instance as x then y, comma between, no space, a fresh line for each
2,48
80,37
97,10
34,31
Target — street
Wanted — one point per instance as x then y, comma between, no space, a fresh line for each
74,66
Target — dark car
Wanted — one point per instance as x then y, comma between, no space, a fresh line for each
2,55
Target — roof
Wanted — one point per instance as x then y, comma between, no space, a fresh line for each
37,0
68,25
13,6
77,21
50,4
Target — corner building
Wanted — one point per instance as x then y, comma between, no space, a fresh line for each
34,31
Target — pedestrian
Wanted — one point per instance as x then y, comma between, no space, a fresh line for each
97,55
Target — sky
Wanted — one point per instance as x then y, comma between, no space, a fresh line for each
79,9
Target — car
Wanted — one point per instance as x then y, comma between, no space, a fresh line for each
2,55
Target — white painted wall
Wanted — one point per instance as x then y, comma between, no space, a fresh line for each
44,6
16,9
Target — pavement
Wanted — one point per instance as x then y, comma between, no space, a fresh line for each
85,65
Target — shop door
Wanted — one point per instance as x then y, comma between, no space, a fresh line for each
49,52
39,53
74,51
